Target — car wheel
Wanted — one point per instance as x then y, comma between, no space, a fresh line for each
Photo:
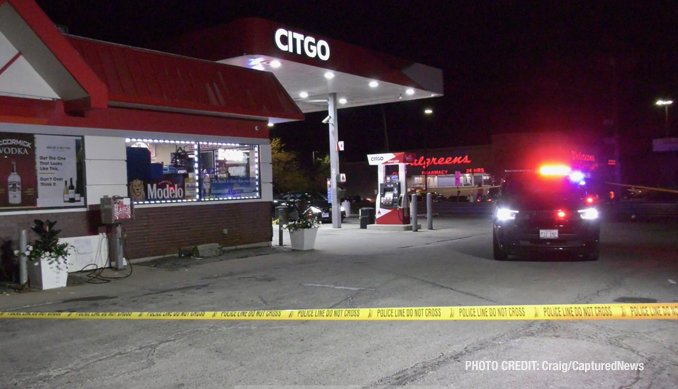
498,253
594,254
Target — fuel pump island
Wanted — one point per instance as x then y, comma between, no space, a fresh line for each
393,208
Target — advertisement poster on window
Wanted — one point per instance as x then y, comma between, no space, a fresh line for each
17,170
57,172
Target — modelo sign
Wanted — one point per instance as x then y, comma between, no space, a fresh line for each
294,42
164,190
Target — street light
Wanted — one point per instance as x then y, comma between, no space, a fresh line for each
665,104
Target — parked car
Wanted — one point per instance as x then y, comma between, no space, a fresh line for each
317,204
458,199
435,196
278,200
491,196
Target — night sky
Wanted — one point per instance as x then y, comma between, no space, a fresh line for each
509,66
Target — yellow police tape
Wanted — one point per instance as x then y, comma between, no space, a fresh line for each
656,311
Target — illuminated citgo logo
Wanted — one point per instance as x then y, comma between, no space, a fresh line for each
294,42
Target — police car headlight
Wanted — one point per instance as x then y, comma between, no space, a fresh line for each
506,214
588,214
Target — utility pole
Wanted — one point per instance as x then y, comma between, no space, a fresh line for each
383,118
615,127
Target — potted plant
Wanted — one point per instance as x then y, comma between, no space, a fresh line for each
304,228
47,258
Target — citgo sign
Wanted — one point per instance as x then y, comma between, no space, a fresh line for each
294,42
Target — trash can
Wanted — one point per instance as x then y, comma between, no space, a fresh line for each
366,217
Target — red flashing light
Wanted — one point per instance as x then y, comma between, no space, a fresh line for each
561,214
589,200
554,170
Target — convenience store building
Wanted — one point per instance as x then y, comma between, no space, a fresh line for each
184,135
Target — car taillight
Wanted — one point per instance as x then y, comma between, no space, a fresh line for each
561,214
590,200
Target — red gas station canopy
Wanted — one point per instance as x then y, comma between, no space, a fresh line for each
302,60
391,158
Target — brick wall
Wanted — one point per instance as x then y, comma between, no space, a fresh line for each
163,230
70,223
160,231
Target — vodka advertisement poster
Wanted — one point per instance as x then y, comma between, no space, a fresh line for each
17,170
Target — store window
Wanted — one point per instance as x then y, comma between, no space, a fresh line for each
40,171
166,171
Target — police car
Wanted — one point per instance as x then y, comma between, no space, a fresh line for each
546,211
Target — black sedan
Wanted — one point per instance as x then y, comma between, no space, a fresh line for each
312,201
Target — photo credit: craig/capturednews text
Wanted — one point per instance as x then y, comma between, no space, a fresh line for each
562,366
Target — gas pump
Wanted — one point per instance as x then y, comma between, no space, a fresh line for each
392,204
114,211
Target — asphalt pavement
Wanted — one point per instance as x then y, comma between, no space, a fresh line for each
450,265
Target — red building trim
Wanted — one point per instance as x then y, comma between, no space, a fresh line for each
47,32
51,113
8,64
158,81
255,36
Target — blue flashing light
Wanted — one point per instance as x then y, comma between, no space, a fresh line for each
576,176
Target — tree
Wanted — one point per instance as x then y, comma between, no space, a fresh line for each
287,176
321,172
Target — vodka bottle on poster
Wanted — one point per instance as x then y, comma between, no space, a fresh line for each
65,191
14,186
77,191
71,192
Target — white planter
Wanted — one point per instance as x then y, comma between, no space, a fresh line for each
303,239
43,275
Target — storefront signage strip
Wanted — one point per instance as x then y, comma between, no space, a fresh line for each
426,162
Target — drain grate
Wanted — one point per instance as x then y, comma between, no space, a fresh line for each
635,300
